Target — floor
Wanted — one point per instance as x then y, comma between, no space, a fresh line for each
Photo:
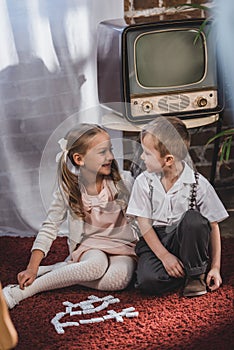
226,194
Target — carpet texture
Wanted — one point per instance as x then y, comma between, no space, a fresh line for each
168,322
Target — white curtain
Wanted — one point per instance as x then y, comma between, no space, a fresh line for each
47,80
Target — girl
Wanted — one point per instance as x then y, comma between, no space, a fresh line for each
94,199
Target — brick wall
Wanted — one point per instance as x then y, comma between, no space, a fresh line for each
155,10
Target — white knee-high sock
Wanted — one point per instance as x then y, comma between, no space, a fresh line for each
117,276
92,266
48,268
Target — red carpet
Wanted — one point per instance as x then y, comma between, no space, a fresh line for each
169,322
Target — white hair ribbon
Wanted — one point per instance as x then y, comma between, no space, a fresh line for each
63,145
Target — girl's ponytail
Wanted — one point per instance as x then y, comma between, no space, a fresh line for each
69,183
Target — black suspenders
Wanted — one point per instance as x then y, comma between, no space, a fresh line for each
193,193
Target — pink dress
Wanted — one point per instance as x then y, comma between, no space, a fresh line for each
105,226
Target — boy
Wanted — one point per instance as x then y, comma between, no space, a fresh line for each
178,213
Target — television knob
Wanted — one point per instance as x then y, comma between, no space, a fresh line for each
147,106
201,101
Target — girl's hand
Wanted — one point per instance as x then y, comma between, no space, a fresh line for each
213,279
173,266
25,278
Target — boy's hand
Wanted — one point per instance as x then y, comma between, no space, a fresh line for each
25,278
173,265
213,279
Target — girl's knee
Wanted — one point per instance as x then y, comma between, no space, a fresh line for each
118,281
120,273
96,263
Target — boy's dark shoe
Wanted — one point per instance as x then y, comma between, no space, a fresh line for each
195,286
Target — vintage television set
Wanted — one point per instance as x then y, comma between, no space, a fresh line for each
165,67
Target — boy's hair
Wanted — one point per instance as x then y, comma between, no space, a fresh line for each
170,136
78,141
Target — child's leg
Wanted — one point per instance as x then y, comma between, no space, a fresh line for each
117,276
189,242
152,278
48,268
92,266
193,234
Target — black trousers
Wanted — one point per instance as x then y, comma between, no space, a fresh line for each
189,241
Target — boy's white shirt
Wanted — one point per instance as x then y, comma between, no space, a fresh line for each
58,212
166,208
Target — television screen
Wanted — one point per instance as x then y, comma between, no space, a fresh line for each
170,58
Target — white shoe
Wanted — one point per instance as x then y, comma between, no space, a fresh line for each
8,292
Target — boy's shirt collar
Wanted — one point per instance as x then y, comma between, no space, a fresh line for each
186,177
